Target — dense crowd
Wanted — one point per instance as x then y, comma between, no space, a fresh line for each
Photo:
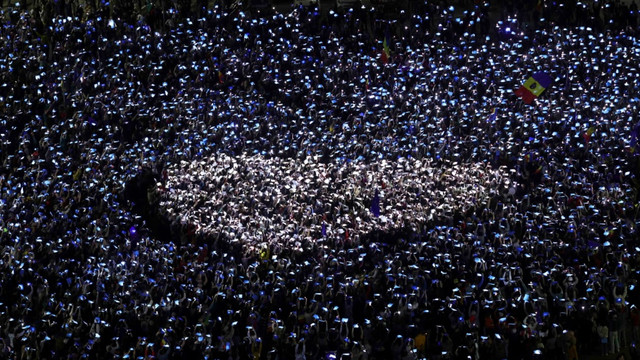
313,200
290,203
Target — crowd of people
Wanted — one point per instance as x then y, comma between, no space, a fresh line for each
316,201
290,203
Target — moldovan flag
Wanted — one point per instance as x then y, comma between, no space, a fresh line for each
534,86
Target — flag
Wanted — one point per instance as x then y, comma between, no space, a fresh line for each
386,53
264,254
493,116
587,135
634,137
375,204
534,86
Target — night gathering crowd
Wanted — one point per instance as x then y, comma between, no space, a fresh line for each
259,185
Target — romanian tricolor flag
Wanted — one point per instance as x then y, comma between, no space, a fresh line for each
534,86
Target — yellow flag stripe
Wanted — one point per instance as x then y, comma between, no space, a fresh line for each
534,86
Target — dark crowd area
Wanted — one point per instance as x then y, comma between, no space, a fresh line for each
226,181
